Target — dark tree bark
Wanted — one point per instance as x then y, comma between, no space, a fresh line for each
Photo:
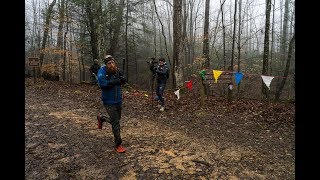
266,49
59,46
205,50
286,72
283,42
239,42
177,20
223,35
61,22
46,31
233,43
163,33
115,32
92,29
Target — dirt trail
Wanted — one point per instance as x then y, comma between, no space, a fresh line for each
63,142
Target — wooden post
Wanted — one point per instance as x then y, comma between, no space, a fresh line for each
34,75
34,62
202,92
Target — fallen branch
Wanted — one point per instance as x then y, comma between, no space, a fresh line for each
201,162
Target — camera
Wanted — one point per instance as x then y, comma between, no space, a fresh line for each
152,61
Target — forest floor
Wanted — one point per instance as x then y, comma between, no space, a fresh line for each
242,139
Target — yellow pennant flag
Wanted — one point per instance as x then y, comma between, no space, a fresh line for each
216,75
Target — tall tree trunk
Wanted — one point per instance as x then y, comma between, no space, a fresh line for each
239,41
194,44
61,8
190,42
177,18
34,29
223,35
155,35
163,33
135,54
160,41
286,72
127,56
281,24
99,28
70,53
117,26
92,30
283,45
272,39
65,46
233,43
46,32
169,27
283,40
266,49
184,52
82,39
205,50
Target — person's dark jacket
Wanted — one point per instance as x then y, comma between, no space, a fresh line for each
162,72
110,86
94,68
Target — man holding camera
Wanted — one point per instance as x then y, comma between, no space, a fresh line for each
162,74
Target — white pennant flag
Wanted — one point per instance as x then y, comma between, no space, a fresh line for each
177,93
267,80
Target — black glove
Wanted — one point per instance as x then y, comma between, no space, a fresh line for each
114,81
123,80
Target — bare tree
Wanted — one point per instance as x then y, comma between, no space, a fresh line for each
283,42
284,35
177,20
64,66
266,48
155,33
169,14
127,57
233,44
162,30
46,30
239,41
205,50
115,28
223,35
61,8
190,43
272,38
92,29
286,72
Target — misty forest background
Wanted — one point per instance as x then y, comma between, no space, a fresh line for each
249,36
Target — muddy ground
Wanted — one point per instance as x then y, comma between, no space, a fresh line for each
242,139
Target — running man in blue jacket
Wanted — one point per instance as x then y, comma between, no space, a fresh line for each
110,79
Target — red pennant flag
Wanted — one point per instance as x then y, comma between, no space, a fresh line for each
189,85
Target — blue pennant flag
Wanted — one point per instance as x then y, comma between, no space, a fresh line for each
238,76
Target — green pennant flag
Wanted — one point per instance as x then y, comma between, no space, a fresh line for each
203,74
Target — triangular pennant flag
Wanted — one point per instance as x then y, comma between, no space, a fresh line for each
189,85
203,74
238,76
177,94
216,74
267,80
